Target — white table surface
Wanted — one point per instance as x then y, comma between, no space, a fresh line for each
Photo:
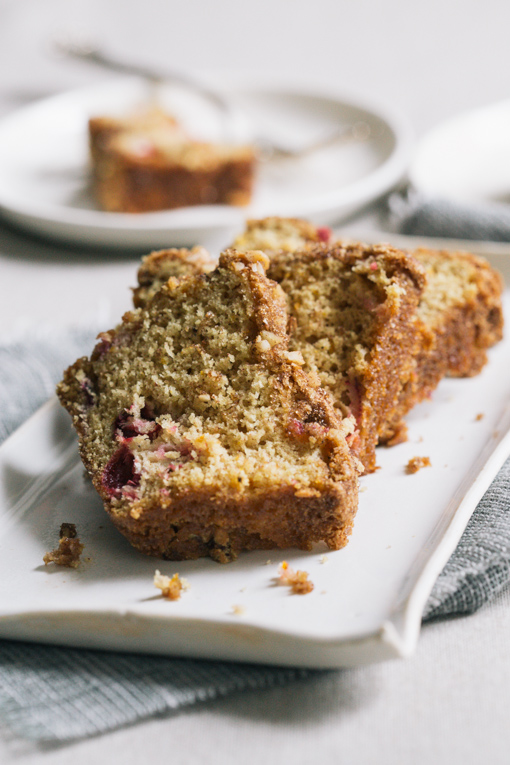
448,703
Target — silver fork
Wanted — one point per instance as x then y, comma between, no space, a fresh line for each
267,149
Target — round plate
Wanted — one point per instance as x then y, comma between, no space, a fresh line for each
44,175
467,159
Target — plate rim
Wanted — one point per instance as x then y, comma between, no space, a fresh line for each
77,224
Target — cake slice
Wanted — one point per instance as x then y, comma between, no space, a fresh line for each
460,316
146,162
353,318
159,266
200,430
462,306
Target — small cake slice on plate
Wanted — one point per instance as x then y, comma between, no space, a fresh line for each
159,266
147,162
353,318
200,430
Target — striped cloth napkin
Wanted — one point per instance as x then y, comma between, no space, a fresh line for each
52,694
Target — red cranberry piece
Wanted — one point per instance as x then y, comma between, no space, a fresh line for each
354,391
120,472
124,423
154,432
324,233
130,426
296,429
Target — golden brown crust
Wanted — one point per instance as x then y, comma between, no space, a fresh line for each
197,525
161,265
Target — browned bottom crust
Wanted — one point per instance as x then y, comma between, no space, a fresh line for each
198,526
121,186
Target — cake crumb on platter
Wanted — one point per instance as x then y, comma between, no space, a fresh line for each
479,417
238,610
171,587
69,548
417,463
297,580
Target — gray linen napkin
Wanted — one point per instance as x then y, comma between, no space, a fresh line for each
53,694
415,214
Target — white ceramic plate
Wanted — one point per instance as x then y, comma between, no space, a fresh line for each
467,159
368,598
44,171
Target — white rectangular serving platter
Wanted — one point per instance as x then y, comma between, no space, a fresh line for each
368,598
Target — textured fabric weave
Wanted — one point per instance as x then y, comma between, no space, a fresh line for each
417,215
57,694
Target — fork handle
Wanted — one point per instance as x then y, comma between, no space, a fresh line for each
95,56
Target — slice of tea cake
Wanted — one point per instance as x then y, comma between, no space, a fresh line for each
200,430
146,162
353,318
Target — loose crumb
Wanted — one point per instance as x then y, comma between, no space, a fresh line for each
297,580
479,417
323,559
69,548
238,610
417,463
171,587
267,563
